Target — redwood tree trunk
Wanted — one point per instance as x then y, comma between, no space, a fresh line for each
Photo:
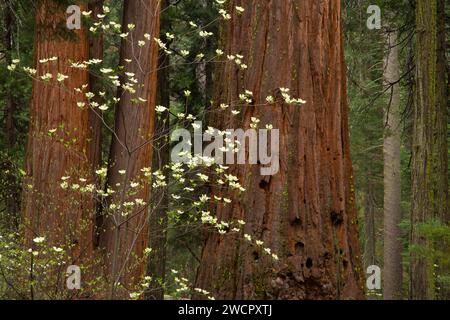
125,238
429,151
61,216
392,288
305,213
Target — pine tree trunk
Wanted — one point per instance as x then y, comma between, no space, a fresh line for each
125,238
429,151
305,213
392,271
59,215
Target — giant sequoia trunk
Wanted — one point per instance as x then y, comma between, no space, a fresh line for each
392,288
429,150
125,238
306,212
63,217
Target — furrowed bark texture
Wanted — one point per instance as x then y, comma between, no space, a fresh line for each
444,101
305,213
429,152
64,217
125,238
392,280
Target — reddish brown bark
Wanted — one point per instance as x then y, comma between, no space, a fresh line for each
306,212
125,238
63,217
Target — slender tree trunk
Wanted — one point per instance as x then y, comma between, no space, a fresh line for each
125,238
204,70
10,108
156,263
369,226
392,288
95,115
61,216
12,201
429,152
305,213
